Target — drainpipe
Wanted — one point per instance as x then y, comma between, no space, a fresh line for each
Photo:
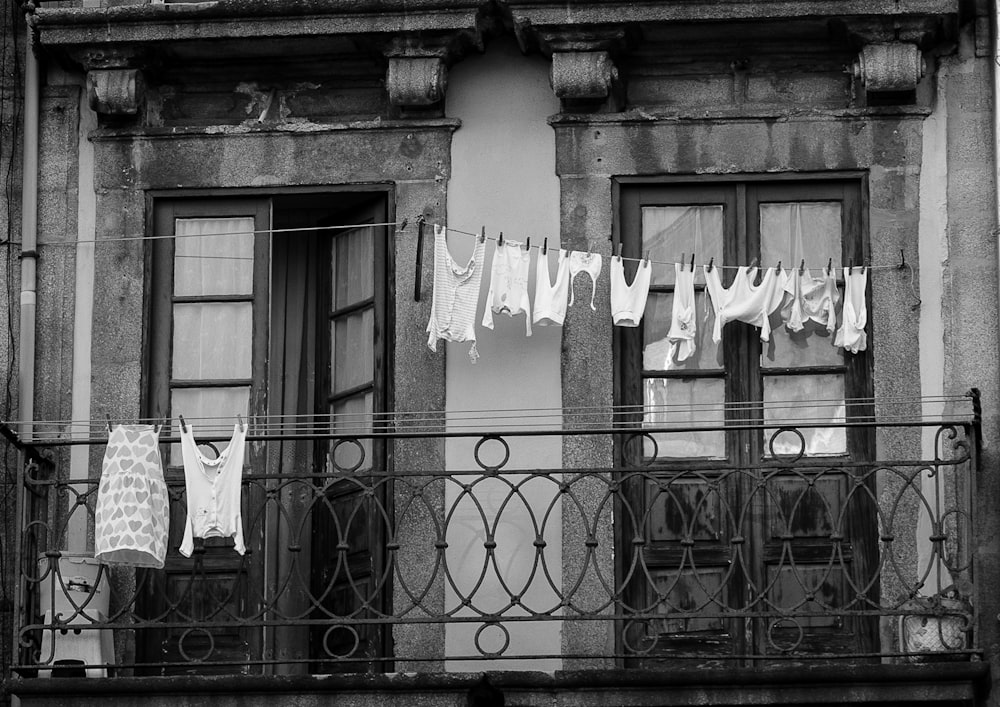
29,239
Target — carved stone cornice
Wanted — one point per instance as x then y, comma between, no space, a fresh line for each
920,30
108,56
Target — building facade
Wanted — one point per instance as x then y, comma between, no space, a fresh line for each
242,207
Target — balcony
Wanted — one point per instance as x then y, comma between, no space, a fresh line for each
369,563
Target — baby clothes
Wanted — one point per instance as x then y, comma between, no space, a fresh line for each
589,263
132,516
508,293
743,301
682,317
550,299
628,301
456,295
811,299
213,491
851,334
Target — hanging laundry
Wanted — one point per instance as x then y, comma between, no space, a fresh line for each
683,326
456,295
589,263
628,301
132,516
213,491
508,293
810,299
851,334
550,299
743,301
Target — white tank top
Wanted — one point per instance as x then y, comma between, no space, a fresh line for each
508,292
628,301
851,334
213,491
550,299
589,263
683,324
456,295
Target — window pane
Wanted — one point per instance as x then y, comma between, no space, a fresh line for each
353,416
212,411
353,255
669,231
212,340
656,349
353,358
210,264
797,231
789,400
685,403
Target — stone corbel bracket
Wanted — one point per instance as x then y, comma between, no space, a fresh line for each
583,73
890,59
417,74
890,66
114,79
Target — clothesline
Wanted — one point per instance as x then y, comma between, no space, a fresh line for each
401,227
686,415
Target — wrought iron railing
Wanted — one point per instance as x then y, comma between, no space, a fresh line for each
648,562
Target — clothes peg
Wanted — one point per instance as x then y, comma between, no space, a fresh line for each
902,260
589,248
711,262
402,226
545,246
692,262
183,426
802,267
850,267
646,258
683,258
239,419
500,239
778,268
620,246
108,418
527,244
753,263
482,235
829,267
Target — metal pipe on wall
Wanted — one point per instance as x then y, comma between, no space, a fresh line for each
29,240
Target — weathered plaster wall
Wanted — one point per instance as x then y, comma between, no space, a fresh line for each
503,178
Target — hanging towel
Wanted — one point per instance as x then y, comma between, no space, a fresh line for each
683,325
132,516
456,295
508,293
743,301
851,334
628,301
550,299
589,263
213,491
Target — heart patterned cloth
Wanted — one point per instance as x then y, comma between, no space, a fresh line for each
133,514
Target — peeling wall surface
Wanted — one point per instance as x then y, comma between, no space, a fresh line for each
531,120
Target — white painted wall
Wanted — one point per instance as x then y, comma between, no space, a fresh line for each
933,249
503,177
